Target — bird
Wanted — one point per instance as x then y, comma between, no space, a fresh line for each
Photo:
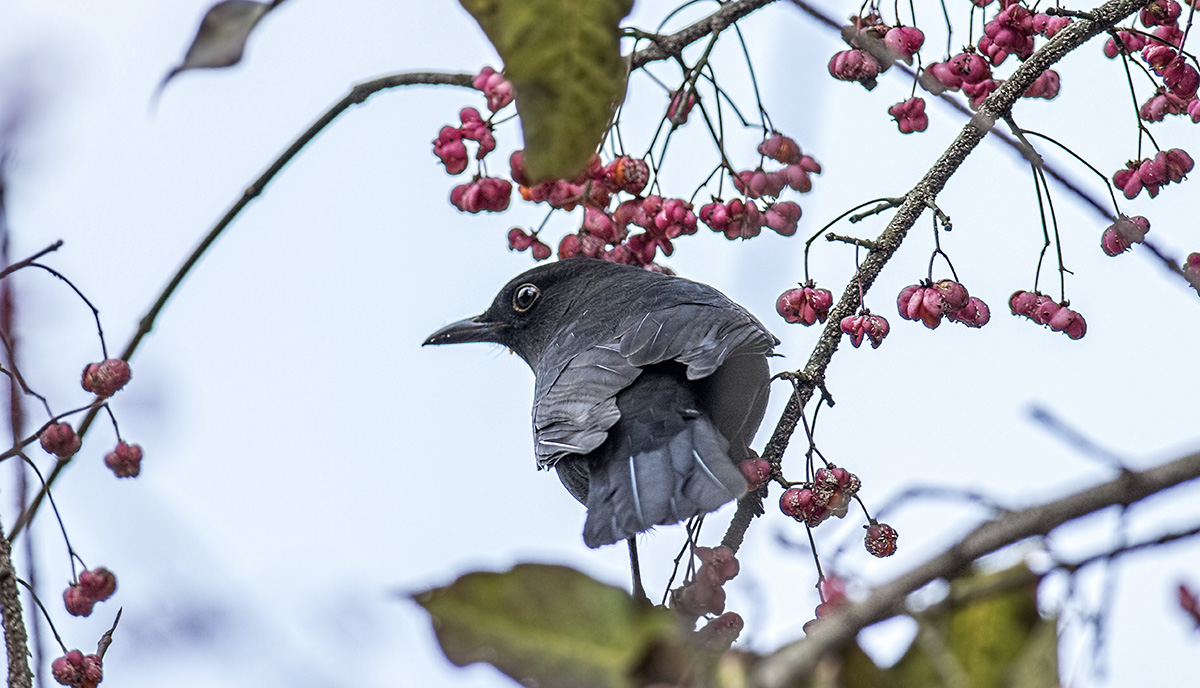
648,388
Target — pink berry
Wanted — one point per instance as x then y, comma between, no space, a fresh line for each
805,305
98,584
449,148
881,540
781,148
77,601
125,461
68,669
60,439
975,314
855,65
93,671
910,115
903,42
106,377
756,471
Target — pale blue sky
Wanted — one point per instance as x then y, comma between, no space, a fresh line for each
305,461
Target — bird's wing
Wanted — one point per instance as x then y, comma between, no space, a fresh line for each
575,393
575,405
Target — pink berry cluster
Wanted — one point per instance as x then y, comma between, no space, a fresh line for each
758,183
449,146
1164,103
481,193
805,305
874,47
1162,51
78,670
497,89
1152,174
705,593
910,115
93,586
873,327
1123,233
1044,310
102,379
591,188
930,302
607,236
968,71
830,494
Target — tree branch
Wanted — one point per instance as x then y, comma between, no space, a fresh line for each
16,642
916,201
791,662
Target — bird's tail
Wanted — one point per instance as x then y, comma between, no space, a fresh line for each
658,481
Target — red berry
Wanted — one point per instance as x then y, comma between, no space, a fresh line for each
77,601
757,472
125,461
60,439
106,377
881,539
98,584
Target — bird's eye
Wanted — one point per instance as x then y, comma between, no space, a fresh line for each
524,297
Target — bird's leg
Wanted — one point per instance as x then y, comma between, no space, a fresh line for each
639,593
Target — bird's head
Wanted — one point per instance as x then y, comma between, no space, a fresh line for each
529,311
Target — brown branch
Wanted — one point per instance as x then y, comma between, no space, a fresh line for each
16,642
672,45
924,195
787,665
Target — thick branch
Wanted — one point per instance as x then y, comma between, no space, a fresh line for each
916,201
798,659
16,642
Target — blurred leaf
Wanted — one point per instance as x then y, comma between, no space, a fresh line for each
563,58
222,36
987,634
549,626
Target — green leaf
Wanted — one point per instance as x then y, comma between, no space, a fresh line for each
546,625
221,38
563,58
987,634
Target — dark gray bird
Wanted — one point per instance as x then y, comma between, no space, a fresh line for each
648,387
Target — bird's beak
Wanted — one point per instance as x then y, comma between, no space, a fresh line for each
468,330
